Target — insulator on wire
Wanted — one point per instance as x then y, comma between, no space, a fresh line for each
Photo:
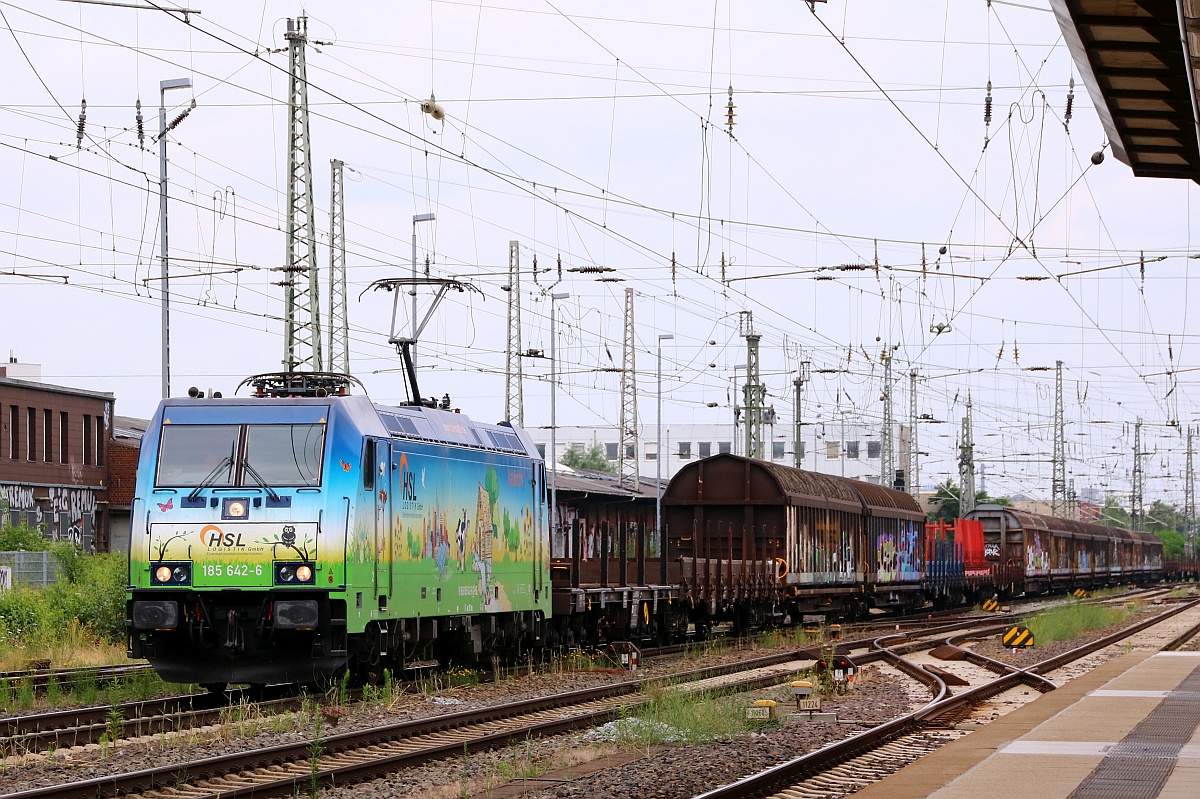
1070,104
987,105
81,124
141,125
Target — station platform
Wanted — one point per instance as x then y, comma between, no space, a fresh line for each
1128,730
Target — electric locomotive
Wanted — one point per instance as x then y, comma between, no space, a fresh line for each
300,531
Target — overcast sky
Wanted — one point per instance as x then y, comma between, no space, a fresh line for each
595,134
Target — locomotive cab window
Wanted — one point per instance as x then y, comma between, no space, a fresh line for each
286,454
368,470
192,453
222,456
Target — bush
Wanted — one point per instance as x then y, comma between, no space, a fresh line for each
90,598
13,539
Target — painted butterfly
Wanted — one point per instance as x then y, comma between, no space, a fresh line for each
166,506
345,466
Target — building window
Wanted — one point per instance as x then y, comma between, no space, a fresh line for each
64,437
47,435
873,449
705,448
776,450
87,439
833,450
851,449
610,451
14,432
685,450
31,449
724,447
630,452
651,452
100,440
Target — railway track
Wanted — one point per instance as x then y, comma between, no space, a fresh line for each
841,768
284,769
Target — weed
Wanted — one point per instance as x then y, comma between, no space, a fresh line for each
316,748
1065,622
25,699
115,723
54,693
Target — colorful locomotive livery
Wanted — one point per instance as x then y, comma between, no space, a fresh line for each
288,538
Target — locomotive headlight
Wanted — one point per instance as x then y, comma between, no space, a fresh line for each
171,573
295,573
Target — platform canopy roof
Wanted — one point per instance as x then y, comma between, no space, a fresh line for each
1140,61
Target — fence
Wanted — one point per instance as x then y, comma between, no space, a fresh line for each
30,569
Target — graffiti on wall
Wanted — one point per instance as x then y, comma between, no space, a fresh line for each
64,513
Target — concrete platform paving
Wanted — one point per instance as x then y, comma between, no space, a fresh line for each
1049,747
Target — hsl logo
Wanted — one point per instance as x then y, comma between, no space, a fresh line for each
408,481
214,536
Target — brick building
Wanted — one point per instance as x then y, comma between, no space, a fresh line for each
54,451
122,477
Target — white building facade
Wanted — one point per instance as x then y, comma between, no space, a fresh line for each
843,449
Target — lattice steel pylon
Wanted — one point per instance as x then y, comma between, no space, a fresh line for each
339,321
630,476
914,473
514,392
1137,510
754,392
887,441
1058,479
1189,503
302,305
966,465
802,377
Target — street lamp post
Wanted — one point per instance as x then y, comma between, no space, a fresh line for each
416,218
164,271
658,442
553,421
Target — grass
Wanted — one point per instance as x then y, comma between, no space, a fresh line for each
1068,621
672,716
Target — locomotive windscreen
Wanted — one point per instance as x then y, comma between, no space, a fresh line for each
217,454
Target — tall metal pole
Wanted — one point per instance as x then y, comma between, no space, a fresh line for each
801,378
630,476
658,440
966,465
1058,480
1137,509
753,393
553,420
164,267
887,455
339,321
914,471
302,344
1189,502
514,393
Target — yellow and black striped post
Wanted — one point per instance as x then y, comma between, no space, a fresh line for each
1080,594
991,605
1018,636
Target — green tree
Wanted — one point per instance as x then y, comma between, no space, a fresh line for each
1113,515
592,458
948,502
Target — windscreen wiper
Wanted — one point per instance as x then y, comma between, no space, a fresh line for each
211,478
250,470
